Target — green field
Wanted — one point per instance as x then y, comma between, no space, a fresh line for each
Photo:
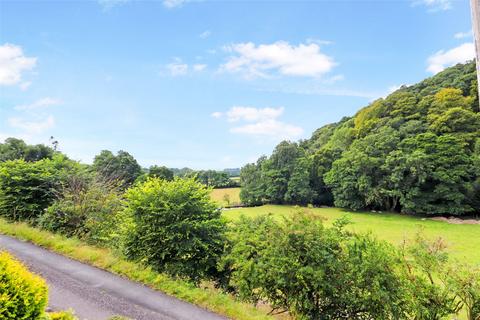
227,196
463,239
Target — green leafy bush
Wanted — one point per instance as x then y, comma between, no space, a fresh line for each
87,207
23,295
315,272
60,315
28,188
175,228
465,281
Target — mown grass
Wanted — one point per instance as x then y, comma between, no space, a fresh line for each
208,298
463,240
221,196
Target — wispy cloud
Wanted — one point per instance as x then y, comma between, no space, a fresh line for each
177,68
199,67
445,58
303,60
259,122
180,68
462,35
434,5
174,3
41,103
30,126
320,90
109,4
205,34
13,63
33,118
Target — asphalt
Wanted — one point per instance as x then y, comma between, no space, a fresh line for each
95,294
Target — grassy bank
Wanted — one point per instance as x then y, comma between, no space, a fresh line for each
208,298
463,239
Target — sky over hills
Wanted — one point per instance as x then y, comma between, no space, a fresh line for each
210,84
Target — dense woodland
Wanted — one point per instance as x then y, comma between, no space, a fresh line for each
415,151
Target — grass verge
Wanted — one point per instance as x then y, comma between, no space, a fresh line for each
207,298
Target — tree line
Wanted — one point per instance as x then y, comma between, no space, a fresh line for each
415,151
121,166
297,265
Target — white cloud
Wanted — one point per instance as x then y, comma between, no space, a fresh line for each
199,67
443,59
251,114
12,65
205,34
32,127
322,91
273,128
260,122
304,60
319,41
434,5
393,88
31,120
177,68
174,3
334,79
180,68
217,115
25,85
41,103
109,4
462,35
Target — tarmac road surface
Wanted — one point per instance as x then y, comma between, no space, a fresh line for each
95,294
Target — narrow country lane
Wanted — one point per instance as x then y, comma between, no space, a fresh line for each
95,294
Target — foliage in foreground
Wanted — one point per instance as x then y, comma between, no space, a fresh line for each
23,295
298,266
315,272
175,227
109,260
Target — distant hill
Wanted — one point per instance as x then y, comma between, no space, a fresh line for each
415,151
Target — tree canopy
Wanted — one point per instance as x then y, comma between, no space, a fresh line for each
415,151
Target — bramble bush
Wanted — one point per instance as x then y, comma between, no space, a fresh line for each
175,227
88,207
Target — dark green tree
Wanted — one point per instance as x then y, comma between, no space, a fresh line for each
160,172
122,166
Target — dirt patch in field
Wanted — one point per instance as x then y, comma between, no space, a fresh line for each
456,220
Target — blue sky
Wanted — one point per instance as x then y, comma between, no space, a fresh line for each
210,84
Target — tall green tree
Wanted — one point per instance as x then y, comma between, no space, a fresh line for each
122,166
14,149
160,172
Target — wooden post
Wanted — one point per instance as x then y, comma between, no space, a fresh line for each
475,4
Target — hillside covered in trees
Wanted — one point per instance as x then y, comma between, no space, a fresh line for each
415,151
